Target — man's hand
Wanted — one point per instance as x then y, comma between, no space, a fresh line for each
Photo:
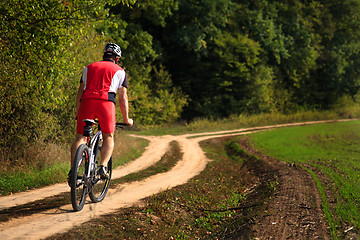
130,122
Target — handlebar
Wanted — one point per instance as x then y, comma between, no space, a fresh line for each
118,125
121,125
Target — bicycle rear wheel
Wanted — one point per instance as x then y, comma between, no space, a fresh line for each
78,177
100,186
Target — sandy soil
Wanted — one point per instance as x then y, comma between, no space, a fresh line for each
41,225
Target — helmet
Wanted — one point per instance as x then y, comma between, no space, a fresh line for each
113,48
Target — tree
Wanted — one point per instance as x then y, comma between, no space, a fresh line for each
37,66
153,98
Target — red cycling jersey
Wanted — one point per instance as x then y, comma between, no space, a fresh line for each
102,80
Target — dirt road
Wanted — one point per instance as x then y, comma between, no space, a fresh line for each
41,225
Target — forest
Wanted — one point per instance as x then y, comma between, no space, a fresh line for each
185,59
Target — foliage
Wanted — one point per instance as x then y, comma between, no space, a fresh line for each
37,67
153,98
45,47
185,59
305,56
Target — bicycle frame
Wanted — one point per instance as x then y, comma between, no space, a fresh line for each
91,144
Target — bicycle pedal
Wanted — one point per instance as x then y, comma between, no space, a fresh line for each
103,173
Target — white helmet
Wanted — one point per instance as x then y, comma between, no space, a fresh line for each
113,48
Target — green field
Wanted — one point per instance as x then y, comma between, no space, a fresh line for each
331,154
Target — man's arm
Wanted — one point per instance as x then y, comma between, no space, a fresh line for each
124,105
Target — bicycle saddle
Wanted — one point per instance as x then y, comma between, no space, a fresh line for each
89,121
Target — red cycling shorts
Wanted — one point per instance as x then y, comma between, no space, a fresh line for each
103,110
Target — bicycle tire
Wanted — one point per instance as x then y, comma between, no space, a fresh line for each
100,186
78,178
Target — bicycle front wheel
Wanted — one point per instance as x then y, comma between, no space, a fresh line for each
100,186
78,177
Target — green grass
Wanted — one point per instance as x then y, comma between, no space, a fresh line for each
38,173
170,158
243,120
301,144
15,181
331,154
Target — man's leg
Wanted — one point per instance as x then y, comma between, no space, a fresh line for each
80,139
107,148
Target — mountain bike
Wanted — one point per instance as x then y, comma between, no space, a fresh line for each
84,179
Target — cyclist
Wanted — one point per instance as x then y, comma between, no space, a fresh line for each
99,84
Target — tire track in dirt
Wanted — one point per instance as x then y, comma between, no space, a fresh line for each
152,154
58,220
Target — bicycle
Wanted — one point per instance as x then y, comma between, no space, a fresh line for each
84,179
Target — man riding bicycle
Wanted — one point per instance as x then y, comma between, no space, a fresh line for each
99,84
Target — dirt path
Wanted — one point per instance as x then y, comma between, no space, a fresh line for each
58,220
294,212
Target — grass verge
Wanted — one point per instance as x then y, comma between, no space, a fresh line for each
165,164
325,204
39,171
330,153
255,120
